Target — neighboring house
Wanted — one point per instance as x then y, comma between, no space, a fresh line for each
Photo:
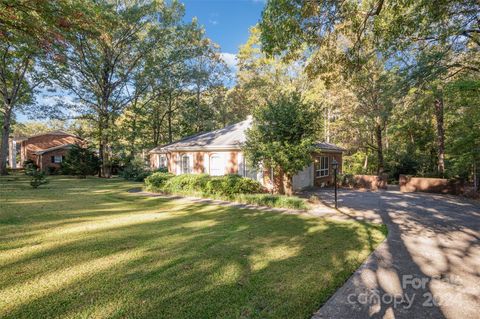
46,150
219,153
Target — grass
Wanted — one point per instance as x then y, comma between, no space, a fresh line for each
88,249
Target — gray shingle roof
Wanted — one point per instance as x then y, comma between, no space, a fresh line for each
231,137
328,146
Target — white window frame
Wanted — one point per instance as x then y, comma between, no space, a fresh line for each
221,170
182,166
322,166
57,159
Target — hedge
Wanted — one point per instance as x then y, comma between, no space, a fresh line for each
229,187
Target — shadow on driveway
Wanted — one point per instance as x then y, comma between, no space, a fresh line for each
429,266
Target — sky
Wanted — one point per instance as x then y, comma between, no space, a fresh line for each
227,22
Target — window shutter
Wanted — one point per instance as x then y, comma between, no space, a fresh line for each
53,159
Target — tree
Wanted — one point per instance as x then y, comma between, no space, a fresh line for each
29,31
282,137
98,70
80,161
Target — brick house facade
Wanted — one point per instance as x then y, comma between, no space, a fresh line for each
45,150
219,152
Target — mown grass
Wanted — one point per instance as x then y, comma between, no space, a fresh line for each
87,249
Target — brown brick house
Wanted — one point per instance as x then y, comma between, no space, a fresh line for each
219,152
46,150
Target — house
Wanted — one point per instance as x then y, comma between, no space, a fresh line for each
46,150
220,152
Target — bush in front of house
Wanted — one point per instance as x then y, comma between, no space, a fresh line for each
186,184
80,161
156,181
30,167
136,170
229,187
232,184
280,201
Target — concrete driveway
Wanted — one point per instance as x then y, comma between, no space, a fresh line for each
429,266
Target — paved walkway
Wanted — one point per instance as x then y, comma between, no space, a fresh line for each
429,266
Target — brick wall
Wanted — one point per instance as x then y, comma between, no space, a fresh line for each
199,161
372,182
45,141
45,160
430,185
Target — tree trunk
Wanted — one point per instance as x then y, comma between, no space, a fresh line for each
365,163
288,184
475,180
105,169
378,136
170,135
101,148
4,142
440,136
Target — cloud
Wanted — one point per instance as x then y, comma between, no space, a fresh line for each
230,59
213,22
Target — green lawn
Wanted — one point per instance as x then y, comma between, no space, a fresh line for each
88,249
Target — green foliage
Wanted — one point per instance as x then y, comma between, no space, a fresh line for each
187,183
232,184
280,201
156,181
80,161
38,179
30,167
229,187
136,170
282,134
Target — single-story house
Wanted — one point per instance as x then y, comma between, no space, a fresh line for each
46,150
220,152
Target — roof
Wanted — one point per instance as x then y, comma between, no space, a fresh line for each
21,138
231,137
59,147
328,146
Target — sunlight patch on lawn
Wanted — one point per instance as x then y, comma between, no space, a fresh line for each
17,295
271,254
200,224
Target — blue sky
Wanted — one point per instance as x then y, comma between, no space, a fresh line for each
227,22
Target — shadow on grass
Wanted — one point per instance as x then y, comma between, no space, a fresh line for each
199,261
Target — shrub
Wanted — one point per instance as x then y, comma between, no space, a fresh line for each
162,170
347,180
229,187
38,178
52,170
30,167
156,181
187,183
272,200
136,170
80,161
232,184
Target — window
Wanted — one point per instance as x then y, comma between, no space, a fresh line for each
186,168
162,163
217,165
321,166
57,159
